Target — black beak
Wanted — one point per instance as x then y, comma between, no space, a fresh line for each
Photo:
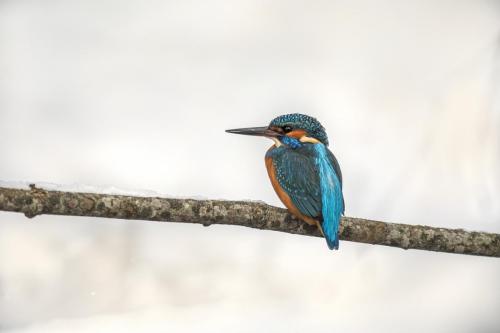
256,131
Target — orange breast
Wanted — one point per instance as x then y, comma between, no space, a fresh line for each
284,197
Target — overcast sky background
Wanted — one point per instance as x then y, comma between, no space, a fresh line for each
136,95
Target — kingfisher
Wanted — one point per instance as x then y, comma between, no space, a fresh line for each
304,173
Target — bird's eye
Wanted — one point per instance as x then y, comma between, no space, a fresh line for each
287,128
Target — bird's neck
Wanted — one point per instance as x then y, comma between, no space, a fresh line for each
291,142
287,142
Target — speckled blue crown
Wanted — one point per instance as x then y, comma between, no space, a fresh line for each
302,121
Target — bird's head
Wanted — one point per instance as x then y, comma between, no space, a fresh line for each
289,129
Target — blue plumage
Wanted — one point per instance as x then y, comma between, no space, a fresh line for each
291,142
304,173
307,174
332,200
298,176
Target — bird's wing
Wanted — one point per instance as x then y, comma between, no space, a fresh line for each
311,177
332,201
298,176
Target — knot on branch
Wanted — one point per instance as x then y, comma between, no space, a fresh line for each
34,201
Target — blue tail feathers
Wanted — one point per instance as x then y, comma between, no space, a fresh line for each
333,244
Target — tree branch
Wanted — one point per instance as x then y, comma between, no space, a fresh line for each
257,215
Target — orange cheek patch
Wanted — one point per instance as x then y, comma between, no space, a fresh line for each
296,133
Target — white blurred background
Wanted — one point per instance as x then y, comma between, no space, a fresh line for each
136,95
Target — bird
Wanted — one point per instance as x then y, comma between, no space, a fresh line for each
304,173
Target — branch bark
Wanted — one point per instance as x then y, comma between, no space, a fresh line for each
36,201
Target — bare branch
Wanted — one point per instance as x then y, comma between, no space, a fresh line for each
257,215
